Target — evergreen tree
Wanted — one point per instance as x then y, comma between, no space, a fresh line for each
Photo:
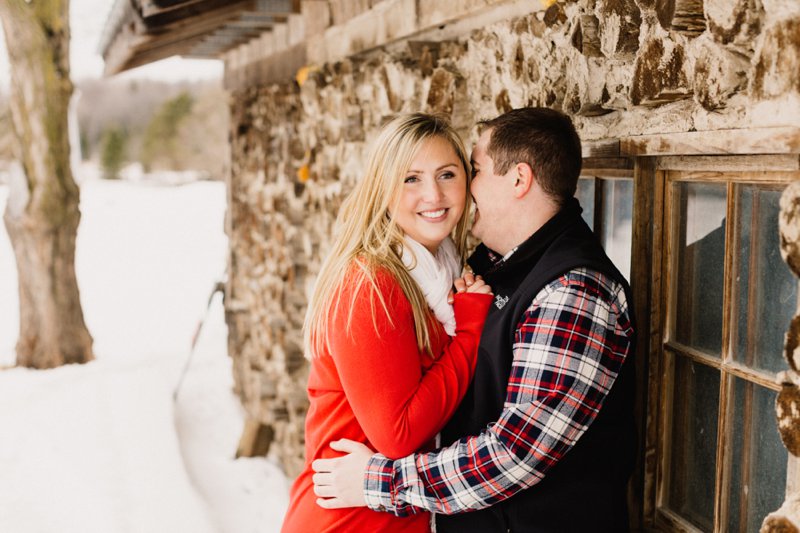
113,153
160,146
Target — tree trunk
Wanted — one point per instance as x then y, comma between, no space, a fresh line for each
42,214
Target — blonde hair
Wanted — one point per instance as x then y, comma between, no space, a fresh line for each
366,238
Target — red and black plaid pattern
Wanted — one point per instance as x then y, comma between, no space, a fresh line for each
569,348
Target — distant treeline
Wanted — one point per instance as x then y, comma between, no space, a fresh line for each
164,126
161,125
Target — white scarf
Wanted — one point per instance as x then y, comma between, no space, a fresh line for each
435,276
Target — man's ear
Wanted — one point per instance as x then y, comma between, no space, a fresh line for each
523,179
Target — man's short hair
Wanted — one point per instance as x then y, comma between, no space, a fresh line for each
543,138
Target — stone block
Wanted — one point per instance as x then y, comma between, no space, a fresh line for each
781,9
554,15
787,407
718,73
389,75
791,349
789,227
735,22
776,68
778,523
683,16
586,37
618,22
659,74
440,92
688,17
585,89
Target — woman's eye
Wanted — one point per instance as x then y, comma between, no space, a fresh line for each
447,176
474,172
410,179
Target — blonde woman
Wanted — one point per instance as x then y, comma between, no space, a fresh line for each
391,357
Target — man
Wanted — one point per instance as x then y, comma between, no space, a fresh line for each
544,440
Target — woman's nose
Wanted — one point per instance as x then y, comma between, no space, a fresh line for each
432,191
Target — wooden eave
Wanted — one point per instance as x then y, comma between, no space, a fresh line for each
149,30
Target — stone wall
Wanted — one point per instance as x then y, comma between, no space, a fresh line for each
787,518
619,67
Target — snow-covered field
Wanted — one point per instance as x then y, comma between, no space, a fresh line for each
102,447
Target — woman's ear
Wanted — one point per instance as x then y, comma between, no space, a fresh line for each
523,179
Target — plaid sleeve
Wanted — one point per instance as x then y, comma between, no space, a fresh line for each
569,347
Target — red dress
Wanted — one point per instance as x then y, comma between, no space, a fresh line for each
377,388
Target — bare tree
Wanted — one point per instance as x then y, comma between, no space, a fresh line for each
42,213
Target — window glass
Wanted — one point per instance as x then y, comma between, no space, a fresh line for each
758,461
699,282
617,230
694,442
736,283
765,291
585,195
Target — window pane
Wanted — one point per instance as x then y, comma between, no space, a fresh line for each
765,290
585,195
694,442
758,464
617,222
698,282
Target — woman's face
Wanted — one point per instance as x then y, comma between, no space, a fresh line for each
432,195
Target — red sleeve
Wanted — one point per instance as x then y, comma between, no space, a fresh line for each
398,407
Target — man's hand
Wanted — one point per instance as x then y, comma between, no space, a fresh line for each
339,482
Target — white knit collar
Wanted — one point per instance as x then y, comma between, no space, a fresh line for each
435,275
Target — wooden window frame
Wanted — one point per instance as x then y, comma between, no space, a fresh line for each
663,350
704,154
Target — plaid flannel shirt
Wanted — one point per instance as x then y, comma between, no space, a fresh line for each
569,347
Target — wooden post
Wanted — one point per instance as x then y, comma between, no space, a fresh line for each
644,243
256,439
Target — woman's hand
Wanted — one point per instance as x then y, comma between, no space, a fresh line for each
471,283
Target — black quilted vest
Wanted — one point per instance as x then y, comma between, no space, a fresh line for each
586,490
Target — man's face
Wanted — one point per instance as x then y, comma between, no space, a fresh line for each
493,196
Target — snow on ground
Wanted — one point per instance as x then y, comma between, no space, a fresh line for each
102,447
